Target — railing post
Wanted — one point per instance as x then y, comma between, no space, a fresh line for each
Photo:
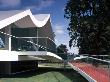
109,71
87,60
37,40
9,43
46,43
9,38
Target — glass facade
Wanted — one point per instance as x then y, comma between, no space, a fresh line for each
27,40
33,44
2,39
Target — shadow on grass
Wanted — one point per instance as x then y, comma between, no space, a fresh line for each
40,70
74,76
67,72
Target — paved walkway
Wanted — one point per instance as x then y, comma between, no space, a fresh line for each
97,73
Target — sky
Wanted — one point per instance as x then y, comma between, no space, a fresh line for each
53,7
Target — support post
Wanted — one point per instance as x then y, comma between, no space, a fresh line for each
37,39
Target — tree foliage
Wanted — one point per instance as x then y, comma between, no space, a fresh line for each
62,51
89,26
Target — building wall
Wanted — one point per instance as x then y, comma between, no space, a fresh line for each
23,66
14,67
5,67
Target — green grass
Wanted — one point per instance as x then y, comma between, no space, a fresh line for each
46,75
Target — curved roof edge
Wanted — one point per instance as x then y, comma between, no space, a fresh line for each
38,23
54,55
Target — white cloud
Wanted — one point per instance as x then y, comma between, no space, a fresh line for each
59,29
74,50
43,4
10,3
20,4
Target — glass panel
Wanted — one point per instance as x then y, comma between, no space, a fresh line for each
2,39
24,32
33,44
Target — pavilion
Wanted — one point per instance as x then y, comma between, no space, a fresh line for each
24,39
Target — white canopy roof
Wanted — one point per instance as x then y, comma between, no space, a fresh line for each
23,18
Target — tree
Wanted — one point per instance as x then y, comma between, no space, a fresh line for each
89,26
62,51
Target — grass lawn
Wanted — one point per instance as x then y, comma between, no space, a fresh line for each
46,75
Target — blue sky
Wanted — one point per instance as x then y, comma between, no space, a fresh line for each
54,7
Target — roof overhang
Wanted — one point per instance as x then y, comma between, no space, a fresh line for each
28,55
44,55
